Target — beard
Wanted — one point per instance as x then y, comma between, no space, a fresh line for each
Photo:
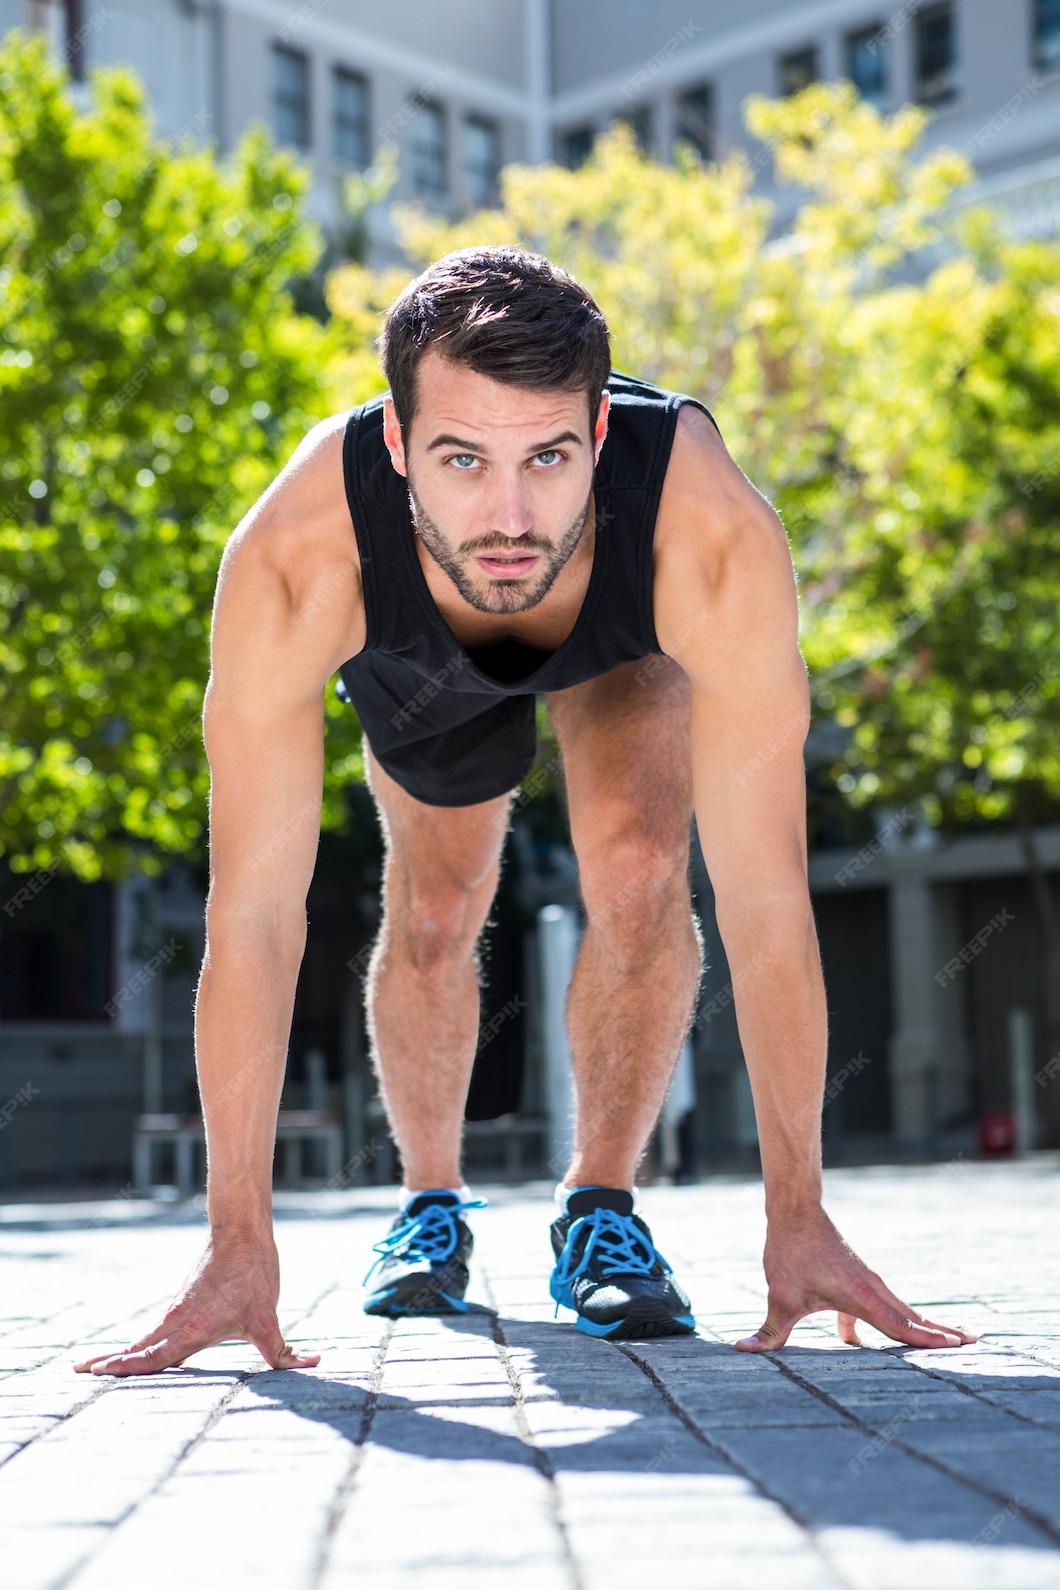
498,596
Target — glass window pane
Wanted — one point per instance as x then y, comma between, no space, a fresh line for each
798,70
867,64
576,146
482,161
352,138
290,96
640,119
430,177
694,119
936,56
1047,33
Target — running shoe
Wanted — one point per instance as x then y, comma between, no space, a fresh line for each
422,1266
609,1271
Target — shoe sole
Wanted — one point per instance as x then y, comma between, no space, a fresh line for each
625,1330
414,1296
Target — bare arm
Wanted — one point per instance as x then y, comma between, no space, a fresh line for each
727,611
288,611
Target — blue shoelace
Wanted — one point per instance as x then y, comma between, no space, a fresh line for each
429,1236
623,1247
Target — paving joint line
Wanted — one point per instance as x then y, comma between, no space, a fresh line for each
978,1395
213,1417
1038,1519
542,1462
700,1435
341,1499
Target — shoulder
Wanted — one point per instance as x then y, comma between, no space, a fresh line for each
722,564
295,552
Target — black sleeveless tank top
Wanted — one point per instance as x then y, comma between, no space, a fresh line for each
615,624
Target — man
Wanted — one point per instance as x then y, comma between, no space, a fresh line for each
524,521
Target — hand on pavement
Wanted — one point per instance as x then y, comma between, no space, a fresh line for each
809,1267
231,1295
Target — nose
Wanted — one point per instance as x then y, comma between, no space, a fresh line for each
510,510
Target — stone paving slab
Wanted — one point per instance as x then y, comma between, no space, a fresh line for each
508,1449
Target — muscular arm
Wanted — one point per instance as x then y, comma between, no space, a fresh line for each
288,611
727,611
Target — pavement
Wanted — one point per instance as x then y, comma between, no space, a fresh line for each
476,1453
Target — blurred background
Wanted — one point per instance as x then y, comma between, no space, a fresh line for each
837,224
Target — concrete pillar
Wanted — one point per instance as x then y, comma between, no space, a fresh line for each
558,937
915,1071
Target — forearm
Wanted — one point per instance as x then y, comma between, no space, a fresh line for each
778,988
243,1016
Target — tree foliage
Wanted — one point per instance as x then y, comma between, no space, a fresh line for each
153,379
886,369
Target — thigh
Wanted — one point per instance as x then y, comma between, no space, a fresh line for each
437,848
625,739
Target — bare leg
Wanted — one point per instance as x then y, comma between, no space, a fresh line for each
441,871
627,759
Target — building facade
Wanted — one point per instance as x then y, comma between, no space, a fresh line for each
916,1051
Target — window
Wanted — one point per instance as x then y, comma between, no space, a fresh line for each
576,146
55,951
482,161
353,142
1046,24
75,39
867,64
290,96
641,121
694,119
430,156
798,70
936,55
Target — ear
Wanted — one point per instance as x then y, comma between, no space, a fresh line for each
600,428
395,444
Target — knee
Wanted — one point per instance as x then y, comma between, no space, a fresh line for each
434,925
634,876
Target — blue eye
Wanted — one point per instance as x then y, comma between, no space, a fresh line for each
550,452
459,459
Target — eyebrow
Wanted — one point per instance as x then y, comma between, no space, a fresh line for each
473,447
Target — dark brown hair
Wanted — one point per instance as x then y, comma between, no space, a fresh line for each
505,313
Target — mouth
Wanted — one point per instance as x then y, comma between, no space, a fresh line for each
502,566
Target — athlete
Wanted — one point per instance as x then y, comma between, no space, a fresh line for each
513,519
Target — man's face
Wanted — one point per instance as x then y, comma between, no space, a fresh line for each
499,478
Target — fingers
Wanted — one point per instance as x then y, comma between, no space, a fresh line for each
902,1326
279,1355
773,1334
146,1361
903,1308
847,1327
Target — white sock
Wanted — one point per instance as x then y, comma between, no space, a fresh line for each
405,1197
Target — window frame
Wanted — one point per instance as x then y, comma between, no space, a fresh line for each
341,74
279,52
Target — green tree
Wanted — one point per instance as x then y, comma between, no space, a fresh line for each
887,371
153,379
